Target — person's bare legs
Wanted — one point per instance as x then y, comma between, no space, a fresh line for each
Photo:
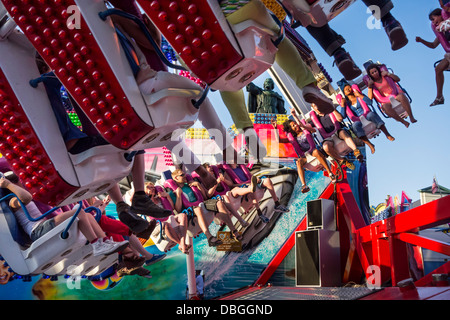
328,147
269,185
90,230
343,135
137,246
439,70
319,156
403,99
179,237
138,172
115,194
236,214
368,143
387,107
201,221
386,133
300,170
237,191
224,215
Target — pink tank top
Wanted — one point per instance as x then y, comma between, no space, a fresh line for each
384,88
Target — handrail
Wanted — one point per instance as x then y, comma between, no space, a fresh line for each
27,214
98,212
64,234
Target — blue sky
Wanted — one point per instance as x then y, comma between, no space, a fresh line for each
419,152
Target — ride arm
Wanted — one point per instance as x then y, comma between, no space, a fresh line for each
23,195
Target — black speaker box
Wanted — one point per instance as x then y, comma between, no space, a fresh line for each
317,258
320,214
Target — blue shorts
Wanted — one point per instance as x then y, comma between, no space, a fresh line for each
372,117
42,228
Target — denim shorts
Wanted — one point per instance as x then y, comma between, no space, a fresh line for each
42,228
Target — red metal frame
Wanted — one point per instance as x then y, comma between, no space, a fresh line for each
389,238
391,244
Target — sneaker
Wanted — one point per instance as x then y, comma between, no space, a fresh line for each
154,259
120,245
395,33
101,247
214,242
348,164
346,65
142,272
312,94
142,204
263,218
358,155
281,208
148,231
131,220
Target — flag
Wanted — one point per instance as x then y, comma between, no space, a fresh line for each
434,186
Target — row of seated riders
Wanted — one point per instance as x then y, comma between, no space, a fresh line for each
331,129
183,199
234,187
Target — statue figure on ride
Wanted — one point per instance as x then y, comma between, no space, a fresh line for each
264,100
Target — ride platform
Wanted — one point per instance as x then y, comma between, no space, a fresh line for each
343,293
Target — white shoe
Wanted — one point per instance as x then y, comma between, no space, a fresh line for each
107,247
119,245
